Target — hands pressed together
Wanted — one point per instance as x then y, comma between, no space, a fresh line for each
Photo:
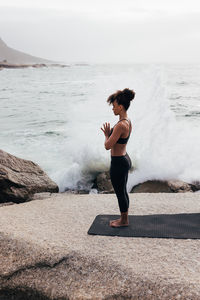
106,129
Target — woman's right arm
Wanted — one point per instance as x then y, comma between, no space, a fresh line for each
111,141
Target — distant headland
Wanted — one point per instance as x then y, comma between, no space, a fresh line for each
11,58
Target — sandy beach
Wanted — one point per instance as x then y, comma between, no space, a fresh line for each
45,247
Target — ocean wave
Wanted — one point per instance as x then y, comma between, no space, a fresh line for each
62,134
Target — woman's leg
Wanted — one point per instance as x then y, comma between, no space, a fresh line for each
119,175
125,190
129,165
119,180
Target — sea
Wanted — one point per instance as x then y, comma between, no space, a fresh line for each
53,117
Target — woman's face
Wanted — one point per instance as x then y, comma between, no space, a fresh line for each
116,108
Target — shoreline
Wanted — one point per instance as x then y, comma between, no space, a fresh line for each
45,195
5,65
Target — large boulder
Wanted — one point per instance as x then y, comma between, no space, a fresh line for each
158,186
20,179
195,185
103,183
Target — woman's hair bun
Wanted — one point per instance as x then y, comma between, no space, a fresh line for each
123,97
129,94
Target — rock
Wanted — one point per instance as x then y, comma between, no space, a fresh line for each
103,183
20,66
158,186
59,65
195,185
178,186
151,186
104,186
46,253
5,65
41,196
6,204
71,191
39,65
20,179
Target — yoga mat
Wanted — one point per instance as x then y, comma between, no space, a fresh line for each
177,226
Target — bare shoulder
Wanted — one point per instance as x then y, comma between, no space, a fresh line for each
122,127
118,127
125,126
124,123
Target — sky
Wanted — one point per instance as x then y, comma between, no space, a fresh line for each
104,31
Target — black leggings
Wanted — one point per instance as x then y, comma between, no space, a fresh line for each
120,165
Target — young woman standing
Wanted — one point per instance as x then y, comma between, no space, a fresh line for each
116,139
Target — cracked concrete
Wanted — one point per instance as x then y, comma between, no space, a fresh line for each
45,252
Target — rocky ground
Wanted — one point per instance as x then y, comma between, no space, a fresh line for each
46,253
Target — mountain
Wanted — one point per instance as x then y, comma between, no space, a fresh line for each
13,56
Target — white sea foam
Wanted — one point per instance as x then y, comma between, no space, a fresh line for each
160,146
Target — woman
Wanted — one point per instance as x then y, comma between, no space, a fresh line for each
116,139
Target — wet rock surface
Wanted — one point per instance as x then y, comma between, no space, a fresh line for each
103,183
20,179
157,186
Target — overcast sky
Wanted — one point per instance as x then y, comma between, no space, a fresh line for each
103,31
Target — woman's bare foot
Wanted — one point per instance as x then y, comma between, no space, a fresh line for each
123,221
118,223
112,221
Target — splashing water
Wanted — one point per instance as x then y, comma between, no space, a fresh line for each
53,117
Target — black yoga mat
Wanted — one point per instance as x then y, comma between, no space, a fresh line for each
177,226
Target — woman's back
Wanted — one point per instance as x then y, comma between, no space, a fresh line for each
120,147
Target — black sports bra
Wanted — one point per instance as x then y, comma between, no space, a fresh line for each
121,140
